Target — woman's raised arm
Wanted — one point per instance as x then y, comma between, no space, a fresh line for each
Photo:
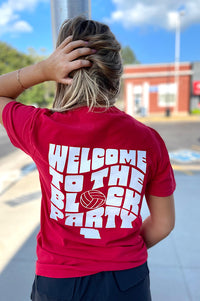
56,68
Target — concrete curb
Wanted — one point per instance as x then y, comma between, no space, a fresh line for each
187,118
186,168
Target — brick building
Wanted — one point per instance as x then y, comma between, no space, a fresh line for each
157,89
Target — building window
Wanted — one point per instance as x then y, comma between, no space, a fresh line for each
167,95
137,90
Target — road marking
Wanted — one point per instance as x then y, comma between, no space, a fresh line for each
185,156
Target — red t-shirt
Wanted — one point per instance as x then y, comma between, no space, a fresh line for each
95,167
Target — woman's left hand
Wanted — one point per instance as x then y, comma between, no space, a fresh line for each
66,59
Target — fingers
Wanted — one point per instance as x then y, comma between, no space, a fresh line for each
69,56
68,45
80,52
78,64
75,44
65,42
75,49
66,81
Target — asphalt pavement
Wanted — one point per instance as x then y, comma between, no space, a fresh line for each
174,263
5,146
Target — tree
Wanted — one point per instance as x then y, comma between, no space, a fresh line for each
11,59
128,56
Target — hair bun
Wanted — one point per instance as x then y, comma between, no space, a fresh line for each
99,84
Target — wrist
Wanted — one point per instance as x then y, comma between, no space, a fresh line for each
43,70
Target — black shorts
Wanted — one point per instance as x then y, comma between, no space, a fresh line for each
126,285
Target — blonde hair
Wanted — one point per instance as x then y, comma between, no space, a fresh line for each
99,84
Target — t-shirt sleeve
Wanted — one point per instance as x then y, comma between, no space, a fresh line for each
161,181
18,120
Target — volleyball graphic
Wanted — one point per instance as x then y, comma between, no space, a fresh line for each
92,199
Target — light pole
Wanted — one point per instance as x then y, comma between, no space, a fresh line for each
66,9
177,56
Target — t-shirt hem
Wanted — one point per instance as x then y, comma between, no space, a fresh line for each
162,193
64,272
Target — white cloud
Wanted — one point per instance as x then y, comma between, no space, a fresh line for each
133,13
10,15
21,26
21,5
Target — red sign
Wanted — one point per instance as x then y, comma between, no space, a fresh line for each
196,88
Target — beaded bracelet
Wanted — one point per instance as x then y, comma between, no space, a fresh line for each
19,81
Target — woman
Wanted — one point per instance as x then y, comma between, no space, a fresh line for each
95,164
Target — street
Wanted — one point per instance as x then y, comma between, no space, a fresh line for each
5,146
179,135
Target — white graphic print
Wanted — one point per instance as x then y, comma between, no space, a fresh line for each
92,199
78,176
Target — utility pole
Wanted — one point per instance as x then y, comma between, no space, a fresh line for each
67,9
177,55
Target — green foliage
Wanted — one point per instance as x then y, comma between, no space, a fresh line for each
128,56
11,59
41,95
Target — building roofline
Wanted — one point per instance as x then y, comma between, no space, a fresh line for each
150,74
156,64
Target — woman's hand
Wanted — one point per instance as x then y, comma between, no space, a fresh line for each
66,59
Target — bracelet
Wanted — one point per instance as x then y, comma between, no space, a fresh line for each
19,81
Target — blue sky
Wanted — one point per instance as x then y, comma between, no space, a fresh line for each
148,27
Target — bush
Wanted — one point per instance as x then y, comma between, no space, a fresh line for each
195,111
11,59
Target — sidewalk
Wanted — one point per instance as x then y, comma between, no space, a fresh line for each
172,118
19,217
174,263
